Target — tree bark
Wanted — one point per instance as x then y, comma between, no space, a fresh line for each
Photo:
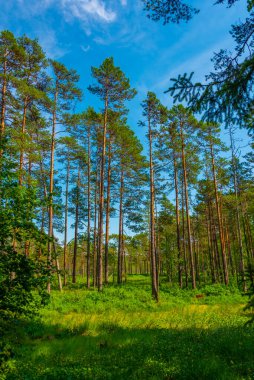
154,269
108,213
239,231
183,240
66,217
23,129
51,184
101,197
120,233
180,269
210,245
193,275
3,105
75,248
88,266
222,242
95,234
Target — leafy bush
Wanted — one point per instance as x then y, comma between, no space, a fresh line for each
22,292
22,283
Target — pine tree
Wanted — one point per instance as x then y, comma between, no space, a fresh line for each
152,113
113,89
63,92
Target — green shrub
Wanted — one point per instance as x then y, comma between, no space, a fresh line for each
22,284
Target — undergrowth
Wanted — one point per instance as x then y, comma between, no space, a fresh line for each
121,333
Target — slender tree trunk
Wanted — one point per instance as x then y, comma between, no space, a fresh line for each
193,276
196,256
154,272
41,231
66,217
75,248
156,240
101,198
183,239
228,244
44,209
107,213
222,242
239,232
57,267
120,233
23,129
28,243
3,103
124,265
95,232
210,244
51,184
180,269
3,111
88,266
215,245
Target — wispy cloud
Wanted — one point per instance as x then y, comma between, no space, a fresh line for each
35,7
130,29
76,9
200,64
105,21
85,49
82,9
50,44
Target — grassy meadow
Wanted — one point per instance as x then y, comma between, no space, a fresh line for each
121,333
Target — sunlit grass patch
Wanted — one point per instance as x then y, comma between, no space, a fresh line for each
121,333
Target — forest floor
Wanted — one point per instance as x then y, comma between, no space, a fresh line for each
122,334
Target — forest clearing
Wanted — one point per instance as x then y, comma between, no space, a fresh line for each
127,190
122,333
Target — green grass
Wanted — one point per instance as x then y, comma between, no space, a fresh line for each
122,334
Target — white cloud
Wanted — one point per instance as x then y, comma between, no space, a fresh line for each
50,43
123,2
85,48
81,9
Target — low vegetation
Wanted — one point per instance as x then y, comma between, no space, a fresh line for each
121,333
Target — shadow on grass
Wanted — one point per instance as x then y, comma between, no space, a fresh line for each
112,352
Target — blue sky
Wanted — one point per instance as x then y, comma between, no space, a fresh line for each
82,33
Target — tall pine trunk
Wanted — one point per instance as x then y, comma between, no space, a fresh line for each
108,213
239,231
180,280
193,275
51,184
222,241
154,263
75,248
120,232
66,217
210,245
95,232
101,198
3,102
23,129
183,240
88,266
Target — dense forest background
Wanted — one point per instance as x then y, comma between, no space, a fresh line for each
189,204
